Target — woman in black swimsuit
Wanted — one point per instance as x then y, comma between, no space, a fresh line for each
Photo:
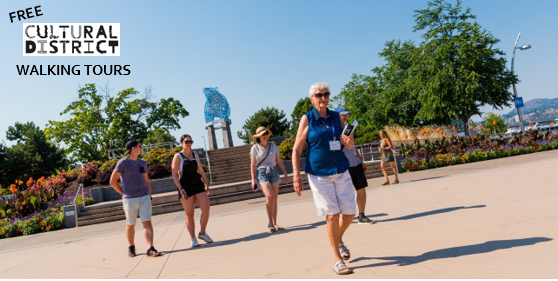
189,177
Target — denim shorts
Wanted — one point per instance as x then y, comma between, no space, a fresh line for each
262,176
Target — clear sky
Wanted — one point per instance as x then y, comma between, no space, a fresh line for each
258,53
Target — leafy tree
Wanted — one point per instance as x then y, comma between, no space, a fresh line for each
32,156
489,120
99,123
2,152
458,70
271,118
360,96
159,135
387,97
302,107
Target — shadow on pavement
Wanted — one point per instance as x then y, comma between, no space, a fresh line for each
452,252
430,178
433,212
252,237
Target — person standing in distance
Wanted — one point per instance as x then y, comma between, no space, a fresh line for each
327,170
386,149
136,196
357,169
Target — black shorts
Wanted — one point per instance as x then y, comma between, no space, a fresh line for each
192,190
358,176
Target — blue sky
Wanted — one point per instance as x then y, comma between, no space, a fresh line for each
258,53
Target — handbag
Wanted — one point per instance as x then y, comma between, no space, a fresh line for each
268,149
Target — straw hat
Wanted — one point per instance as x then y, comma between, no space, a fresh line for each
259,132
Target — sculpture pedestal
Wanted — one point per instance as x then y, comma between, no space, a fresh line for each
225,125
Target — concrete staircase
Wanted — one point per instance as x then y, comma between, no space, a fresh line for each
230,164
219,194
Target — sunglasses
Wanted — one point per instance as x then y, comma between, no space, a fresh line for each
189,142
324,95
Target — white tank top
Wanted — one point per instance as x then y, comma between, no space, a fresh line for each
185,159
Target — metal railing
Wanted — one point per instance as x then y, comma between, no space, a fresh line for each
207,159
112,153
82,198
82,194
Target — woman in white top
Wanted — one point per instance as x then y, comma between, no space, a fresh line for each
264,156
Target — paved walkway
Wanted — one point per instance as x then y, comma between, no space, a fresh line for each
493,219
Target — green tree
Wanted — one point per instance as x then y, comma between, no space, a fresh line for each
360,96
491,118
271,118
32,156
387,97
159,135
302,107
458,70
99,123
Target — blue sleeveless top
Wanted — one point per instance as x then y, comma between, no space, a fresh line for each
320,160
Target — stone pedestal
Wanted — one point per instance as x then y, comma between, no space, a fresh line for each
211,136
225,125
227,136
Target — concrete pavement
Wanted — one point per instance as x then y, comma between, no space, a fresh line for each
492,219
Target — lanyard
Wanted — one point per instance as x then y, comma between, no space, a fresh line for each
331,128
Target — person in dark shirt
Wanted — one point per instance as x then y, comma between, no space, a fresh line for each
136,196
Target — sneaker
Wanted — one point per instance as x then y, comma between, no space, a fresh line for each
365,220
195,242
205,238
132,251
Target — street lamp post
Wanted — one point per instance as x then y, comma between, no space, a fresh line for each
524,47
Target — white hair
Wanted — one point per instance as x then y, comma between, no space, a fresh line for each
316,86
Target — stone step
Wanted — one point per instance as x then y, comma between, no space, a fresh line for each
219,194
246,169
244,174
214,154
238,153
176,205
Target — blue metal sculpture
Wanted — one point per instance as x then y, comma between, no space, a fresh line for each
216,105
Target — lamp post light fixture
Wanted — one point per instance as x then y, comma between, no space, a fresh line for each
524,47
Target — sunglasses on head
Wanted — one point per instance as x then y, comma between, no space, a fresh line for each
324,95
188,141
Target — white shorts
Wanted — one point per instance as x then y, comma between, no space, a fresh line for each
333,194
133,206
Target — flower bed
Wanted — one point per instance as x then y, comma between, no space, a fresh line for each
47,219
421,160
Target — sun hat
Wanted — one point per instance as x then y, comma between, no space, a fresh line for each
259,132
342,110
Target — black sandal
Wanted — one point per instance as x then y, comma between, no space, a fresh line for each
152,252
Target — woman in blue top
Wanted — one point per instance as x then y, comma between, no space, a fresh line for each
327,169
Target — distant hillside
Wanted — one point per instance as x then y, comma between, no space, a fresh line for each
544,109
